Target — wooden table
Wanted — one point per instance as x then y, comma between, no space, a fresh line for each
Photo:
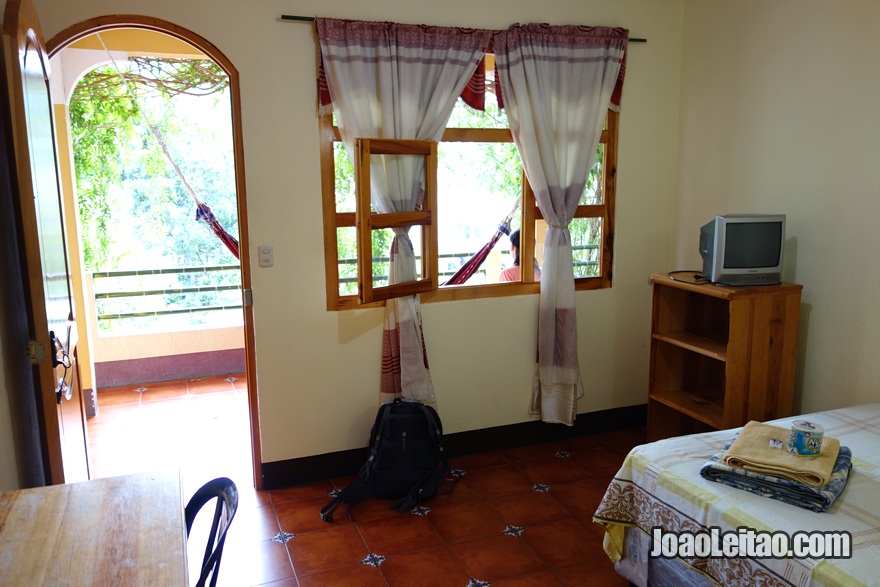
120,531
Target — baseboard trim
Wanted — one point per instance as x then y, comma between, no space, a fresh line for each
169,367
347,463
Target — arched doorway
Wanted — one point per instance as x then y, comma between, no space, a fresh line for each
148,36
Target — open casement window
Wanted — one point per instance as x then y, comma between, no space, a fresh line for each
592,228
375,228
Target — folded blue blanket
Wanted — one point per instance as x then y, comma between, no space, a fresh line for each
791,492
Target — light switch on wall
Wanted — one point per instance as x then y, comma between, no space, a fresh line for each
267,255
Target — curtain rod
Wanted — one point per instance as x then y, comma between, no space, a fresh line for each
312,19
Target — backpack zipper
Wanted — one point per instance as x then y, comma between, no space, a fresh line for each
403,434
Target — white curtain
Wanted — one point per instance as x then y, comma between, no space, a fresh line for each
557,83
389,80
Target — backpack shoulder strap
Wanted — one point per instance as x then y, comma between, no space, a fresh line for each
356,491
327,511
375,439
426,488
435,429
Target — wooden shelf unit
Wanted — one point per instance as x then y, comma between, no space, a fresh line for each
720,355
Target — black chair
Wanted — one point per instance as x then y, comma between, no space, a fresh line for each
226,493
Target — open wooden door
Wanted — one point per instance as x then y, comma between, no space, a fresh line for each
52,327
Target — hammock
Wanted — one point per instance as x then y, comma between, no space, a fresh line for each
471,266
203,212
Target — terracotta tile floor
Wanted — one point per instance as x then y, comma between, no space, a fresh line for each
517,518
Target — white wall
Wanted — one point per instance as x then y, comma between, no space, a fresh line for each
780,113
318,371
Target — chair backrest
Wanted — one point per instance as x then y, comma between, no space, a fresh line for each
226,494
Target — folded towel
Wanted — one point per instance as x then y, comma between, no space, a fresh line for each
817,499
753,452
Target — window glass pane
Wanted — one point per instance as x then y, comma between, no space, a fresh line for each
381,259
415,235
478,185
402,176
463,116
346,244
382,249
586,243
594,189
345,186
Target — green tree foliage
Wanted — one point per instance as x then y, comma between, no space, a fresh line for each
112,142
100,121
501,167
135,212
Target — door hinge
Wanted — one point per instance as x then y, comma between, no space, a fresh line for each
248,296
35,352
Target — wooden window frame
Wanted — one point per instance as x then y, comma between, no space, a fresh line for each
367,220
531,215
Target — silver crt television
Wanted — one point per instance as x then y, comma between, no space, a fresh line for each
743,249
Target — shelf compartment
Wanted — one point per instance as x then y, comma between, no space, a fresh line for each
691,318
690,381
710,344
667,421
706,407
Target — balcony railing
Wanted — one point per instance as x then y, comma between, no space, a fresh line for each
155,293
443,274
144,294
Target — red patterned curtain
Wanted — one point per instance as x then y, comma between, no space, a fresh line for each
474,93
397,81
558,84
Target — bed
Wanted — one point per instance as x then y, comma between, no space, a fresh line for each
659,485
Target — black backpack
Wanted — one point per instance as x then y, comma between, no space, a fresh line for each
406,461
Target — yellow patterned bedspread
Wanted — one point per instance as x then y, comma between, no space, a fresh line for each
659,486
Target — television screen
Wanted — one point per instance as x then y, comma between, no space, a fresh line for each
752,244
743,249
